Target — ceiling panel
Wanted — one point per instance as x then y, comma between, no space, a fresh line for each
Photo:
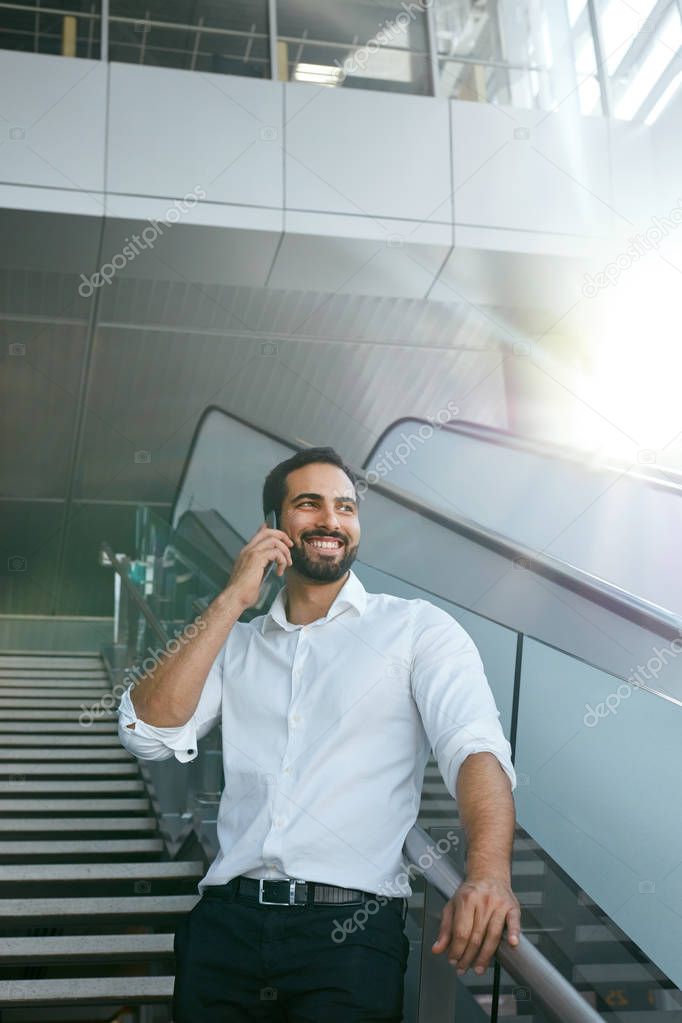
149,388
58,243
190,253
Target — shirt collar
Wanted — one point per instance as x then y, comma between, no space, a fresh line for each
351,595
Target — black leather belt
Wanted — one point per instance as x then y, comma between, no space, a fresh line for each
295,892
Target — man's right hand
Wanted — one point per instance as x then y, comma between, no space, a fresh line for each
247,575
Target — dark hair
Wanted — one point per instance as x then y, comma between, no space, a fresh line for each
274,488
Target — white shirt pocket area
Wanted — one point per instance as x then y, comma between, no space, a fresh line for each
149,742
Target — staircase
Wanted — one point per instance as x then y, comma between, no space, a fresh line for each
89,900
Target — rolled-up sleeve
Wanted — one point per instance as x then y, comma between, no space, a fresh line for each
151,743
452,693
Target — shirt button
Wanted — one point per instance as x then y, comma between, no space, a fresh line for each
287,770
279,822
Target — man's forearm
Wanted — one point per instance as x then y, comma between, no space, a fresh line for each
486,809
168,696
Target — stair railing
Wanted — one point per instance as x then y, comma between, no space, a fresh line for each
559,1000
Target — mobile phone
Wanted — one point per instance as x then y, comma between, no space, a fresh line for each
271,523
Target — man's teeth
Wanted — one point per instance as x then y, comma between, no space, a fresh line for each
325,545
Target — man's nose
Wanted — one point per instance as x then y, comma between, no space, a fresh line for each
329,519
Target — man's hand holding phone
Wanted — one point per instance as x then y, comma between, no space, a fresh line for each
268,549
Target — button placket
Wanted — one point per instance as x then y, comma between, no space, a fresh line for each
293,717
278,822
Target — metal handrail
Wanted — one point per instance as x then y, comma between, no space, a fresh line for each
119,565
523,962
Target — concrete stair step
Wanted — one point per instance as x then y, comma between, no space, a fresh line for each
53,698
84,737
85,948
31,703
86,991
56,728
78,806
80,847
83,872
65,714
116,754
50,661
51,677
528,868
428,821
587,933
51,665
617,973
114,785
58,688
444,805
52,767
46,825
35,912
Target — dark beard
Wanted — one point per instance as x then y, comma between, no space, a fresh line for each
322,571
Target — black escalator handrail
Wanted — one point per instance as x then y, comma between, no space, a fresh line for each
663,479
523,962
120,566
641,612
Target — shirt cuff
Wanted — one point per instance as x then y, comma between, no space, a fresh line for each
150,741
450,765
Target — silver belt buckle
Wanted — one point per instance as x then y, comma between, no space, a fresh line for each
262,901
292,891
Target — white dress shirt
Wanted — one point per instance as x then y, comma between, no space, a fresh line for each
326,731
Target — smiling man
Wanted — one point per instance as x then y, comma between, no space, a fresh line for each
330,705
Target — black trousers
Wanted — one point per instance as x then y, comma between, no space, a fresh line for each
237,961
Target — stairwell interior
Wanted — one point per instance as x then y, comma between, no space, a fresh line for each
90,898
